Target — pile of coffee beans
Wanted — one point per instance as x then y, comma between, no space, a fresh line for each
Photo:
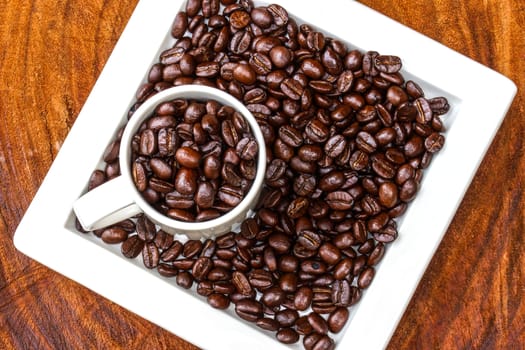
194,160
347,140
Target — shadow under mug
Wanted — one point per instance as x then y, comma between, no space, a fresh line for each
119,199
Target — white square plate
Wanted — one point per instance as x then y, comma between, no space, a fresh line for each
47,234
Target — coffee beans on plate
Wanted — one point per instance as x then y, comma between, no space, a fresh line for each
348,140
194,160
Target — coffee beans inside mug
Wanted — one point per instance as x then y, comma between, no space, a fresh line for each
347,140
194,160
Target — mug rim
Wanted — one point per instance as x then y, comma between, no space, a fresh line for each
198,92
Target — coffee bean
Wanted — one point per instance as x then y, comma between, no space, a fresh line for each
241,283
218,301
316,131
388,194
114,235
339,200
318,323
150,255
365,277
332,181
279,14
287,336
167,270
146,229
286,317
434,142
268,324
244,74
303,298
249,310
239,19
205,195
184,279
132,247
201,267
318,342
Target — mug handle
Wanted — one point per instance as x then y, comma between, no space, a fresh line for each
106,205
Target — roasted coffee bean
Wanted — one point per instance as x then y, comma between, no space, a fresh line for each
211,167
316,131
298,207
205,195
287,336
132,247
332,181
304,185
163,240
318,342
161,169
341,293
186,181
434,142
146,229
218,301
365,277
408,190
439,105
172,252
139,175
343,268
303,298
167,270
309,239
314,267
239,19
292,88
230,195
312,68
273,296
150,255
268,324
387,64
279,14
244,74
249,310
179,25
290,136
240,42
286,317
98,177
329,253
219,274
201,267
318,323
337,319
260,279
241,283
339,200
288,282
184,279
247,148
114,235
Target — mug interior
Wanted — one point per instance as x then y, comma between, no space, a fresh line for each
223,223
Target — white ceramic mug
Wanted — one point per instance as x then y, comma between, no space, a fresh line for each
119,199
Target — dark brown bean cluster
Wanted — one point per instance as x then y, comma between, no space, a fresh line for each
194,160
347,140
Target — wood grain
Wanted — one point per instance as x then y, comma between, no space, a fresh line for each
51,53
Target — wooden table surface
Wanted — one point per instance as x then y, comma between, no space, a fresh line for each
51,53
